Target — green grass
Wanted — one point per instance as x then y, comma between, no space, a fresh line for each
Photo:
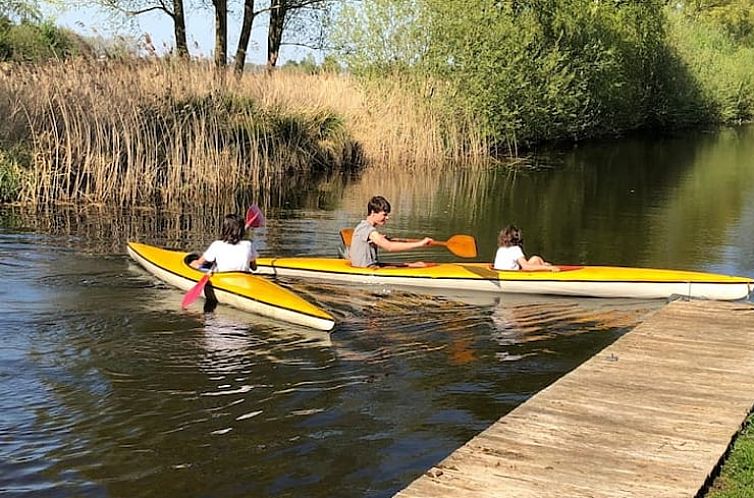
736,479
12,173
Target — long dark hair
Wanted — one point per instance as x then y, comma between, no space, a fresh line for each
233,229
510,236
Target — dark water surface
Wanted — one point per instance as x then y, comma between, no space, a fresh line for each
107,388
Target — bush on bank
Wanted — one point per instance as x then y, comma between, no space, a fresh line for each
711,79
163,131
533,71
29,41
143,135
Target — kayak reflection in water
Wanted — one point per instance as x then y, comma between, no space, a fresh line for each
231,252
366,239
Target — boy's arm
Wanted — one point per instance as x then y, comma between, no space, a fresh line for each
392,245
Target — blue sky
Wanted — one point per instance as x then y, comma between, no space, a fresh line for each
200,29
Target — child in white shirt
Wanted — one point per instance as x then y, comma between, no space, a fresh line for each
510,255
231,252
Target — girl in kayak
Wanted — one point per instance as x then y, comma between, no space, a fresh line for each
231,252
366,239
510,255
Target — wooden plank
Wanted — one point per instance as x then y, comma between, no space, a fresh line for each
650,415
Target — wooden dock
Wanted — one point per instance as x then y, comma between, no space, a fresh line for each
649,416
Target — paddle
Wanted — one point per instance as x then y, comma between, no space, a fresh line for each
196,290
254,217
460,245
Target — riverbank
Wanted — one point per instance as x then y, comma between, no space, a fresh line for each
135,131
165,132
736,478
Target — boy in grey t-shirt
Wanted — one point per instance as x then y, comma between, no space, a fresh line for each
366,239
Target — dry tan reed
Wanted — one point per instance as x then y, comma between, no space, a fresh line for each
168,133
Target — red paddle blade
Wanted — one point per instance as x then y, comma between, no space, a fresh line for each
254,217
194,292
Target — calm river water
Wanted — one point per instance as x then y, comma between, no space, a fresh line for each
108,388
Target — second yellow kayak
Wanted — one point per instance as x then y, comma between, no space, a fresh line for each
239,289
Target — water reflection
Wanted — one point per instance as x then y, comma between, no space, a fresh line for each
108,388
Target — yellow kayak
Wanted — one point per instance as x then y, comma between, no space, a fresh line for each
587,281
239,289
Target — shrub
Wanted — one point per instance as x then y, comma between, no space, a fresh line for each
34,42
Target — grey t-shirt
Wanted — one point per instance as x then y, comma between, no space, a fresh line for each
363,253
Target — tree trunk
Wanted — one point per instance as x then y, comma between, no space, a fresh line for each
221,32
179,27
275,33
243,40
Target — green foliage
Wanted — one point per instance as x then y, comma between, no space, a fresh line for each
33,42
735,17
381,35
307,65
720,72
330,65
737,477
13,167
21,10
543,70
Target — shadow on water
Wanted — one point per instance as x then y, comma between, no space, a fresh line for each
108,388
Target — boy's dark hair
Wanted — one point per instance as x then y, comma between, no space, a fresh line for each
510,236
378,204
233,229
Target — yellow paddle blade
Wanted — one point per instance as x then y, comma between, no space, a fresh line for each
346,235
462,245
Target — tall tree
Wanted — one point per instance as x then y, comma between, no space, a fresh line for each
221,32
245,36
308,12
278,10
381,35
179,28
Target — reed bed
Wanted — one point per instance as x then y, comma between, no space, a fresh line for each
167,133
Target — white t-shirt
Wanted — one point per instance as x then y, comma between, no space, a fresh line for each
231,257
506,258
